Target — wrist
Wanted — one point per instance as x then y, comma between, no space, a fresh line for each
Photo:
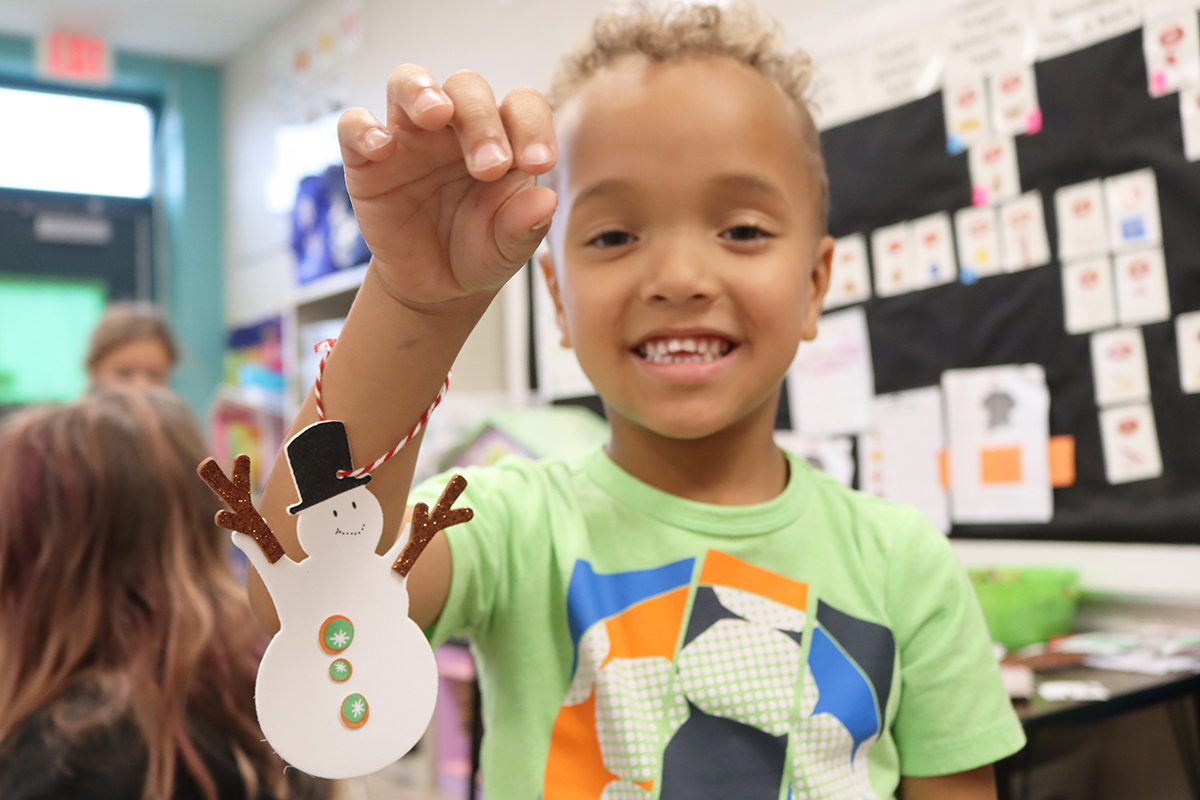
472,304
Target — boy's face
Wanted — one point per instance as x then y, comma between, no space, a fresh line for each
685,260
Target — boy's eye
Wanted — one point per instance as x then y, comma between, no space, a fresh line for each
611,239
745,233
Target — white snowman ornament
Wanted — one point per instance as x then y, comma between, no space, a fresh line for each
348,684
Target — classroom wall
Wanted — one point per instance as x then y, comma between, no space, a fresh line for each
515,42
188,220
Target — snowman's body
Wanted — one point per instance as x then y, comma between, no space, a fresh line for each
343,603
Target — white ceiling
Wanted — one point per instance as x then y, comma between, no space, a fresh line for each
192,30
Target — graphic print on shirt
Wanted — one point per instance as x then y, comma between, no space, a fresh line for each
715,698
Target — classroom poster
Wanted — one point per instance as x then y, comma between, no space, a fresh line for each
1133,215
984,36
998,420
1141,287
1067,25
977,231
1082,226
831,382
901,67
1119,366
1023,231
1089,300
839,89
849,277
1130,443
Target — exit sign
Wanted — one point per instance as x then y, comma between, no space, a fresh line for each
67,56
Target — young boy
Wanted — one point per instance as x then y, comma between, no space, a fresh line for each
688,612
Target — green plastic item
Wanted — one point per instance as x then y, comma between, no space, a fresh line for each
1026,605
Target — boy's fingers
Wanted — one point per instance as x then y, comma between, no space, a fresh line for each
530,127
415,101
363,138
481,133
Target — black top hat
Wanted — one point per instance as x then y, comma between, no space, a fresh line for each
315,455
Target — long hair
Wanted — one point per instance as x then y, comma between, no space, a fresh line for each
117,600
127,322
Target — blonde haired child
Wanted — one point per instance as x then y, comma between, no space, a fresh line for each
688,611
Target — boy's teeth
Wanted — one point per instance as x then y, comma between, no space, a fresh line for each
689,350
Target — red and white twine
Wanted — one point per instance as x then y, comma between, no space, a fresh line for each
324,347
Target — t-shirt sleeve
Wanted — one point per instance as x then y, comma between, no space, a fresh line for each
954,713
480,550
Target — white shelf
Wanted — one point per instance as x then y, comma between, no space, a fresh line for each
346,280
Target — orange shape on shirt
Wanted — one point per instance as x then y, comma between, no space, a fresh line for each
723,569
1000,465
1062,461
649,629
575,766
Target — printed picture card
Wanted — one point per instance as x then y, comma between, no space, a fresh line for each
965,106
932,262
1119,366
1189,114
1023,232
1171,43
994,174
1130,443
1142,294
833,455
1187,339
1082,226
891,252
832,380
1014,101
998,420
1133,215
977,231
1089,301
850,278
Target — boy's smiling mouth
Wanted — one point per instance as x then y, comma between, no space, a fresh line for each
698,349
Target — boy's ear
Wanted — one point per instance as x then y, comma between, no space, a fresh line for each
818,285
546,261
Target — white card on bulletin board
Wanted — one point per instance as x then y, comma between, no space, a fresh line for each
1187,342
1171,43
832,381
984,36
977,231
1133,216
839,88
1082,226
932,262
899,68
994,174
1130,443
998,420
833,455
1119,366
965,106
1014,101
849,278
1067,25
891,255
558,371
901,454
1141,281
1023,231
1089,299
1189,116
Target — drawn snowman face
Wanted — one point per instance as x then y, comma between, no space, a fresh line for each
352,520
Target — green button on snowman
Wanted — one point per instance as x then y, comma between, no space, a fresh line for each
349,682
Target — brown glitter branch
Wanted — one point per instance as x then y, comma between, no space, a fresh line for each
244,518
425,525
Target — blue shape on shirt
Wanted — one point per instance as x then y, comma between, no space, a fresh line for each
844,691
593,596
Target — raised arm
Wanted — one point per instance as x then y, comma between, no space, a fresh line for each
444,195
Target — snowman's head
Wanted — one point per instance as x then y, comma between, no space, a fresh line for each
352,520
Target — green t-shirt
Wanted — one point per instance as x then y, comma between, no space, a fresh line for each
636,644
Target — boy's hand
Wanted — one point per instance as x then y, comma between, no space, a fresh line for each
444,194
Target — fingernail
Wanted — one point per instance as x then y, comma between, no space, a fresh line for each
376,138
487,156
429,98
541,226
536,154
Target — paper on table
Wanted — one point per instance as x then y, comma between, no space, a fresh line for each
1133,216
1171,43
831,382
1067,25
849,280
932,261
559,373
1023,230
1187,339
900,455
1089,302
832,455
998,419
965,105
1130,443
978,232
1142,295
891,253
1082,228
1015,108
1189,114
986,35
994,175
1119,366
1059,691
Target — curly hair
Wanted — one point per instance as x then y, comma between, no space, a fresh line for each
664,33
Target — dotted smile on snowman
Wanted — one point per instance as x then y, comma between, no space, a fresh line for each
338,530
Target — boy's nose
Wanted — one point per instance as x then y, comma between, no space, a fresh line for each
678,274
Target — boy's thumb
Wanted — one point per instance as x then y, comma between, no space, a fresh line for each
523,221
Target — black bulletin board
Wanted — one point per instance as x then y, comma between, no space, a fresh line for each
1098,121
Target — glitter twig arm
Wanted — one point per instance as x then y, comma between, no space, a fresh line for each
425,525
236,493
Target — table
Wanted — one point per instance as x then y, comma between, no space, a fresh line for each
1128,692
